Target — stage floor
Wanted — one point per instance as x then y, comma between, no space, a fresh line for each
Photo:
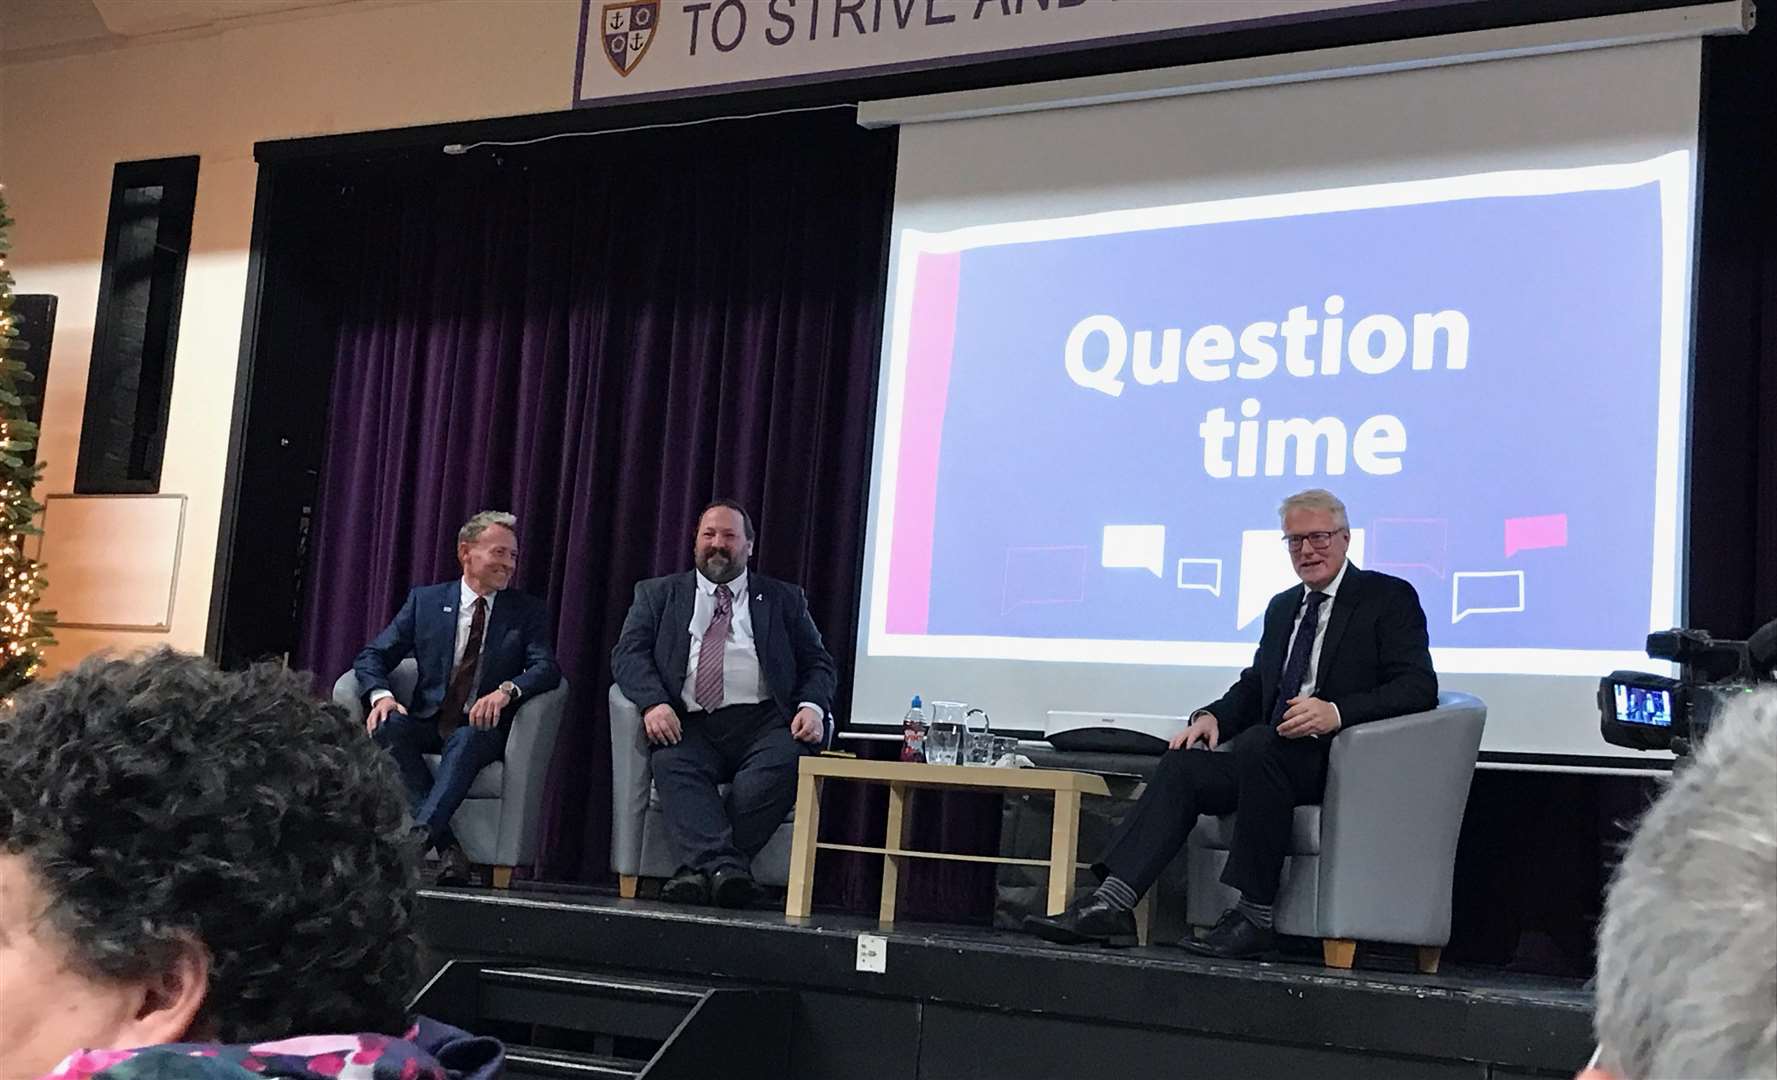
969,1001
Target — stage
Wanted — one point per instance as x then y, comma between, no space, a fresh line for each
955,1001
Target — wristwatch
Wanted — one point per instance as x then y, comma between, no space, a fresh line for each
511,690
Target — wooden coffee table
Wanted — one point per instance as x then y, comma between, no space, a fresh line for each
901,778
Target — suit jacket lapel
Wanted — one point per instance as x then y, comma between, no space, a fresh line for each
499,617
1351,594
1278,618
759,610
441,615
680,604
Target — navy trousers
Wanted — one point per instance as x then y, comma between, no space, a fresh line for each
1263,776
465,753
748,747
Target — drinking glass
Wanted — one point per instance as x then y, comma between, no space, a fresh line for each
1004,746
979,748
942,743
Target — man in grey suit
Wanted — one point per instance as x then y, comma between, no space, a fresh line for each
734,686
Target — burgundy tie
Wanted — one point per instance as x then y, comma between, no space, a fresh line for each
708,691
462,677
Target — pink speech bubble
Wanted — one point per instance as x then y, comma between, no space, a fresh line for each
1542,531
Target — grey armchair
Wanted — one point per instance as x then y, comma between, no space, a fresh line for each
1374,861
499,822
639,845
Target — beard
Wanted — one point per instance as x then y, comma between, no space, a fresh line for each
719,564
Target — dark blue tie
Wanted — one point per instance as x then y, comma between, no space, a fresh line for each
1296,668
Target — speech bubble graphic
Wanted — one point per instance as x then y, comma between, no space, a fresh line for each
1129,547
1542,531
1204,574
1266,570
1403,543
1485,592
1044,575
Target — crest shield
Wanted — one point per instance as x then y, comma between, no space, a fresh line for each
627,29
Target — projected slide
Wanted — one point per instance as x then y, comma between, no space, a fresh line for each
1089,421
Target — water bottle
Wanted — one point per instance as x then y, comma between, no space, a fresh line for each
913,732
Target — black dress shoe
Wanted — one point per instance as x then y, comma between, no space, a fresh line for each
1092,921
733,887
453,867
688,886
1235,937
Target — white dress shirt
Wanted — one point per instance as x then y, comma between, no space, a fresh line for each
465,618
1311,680
742,681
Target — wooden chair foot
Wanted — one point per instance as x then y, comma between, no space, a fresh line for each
1428,957
626,886
502,876
1338,952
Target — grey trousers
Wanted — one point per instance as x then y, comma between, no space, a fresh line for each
748,747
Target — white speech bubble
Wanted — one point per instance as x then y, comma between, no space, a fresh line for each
1214,588
1134,546
1459,613
1266,570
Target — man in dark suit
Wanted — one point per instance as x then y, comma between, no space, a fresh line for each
734,686
481,649
1346,647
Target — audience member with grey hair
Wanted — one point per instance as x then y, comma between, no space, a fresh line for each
1687,952
481,649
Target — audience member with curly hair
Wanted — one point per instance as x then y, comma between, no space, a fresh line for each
205,874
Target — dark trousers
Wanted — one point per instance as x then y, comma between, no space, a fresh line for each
465,753
748,747
1262,776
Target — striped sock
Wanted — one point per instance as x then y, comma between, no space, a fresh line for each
1257,914
1117,893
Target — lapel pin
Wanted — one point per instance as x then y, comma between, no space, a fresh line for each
447,611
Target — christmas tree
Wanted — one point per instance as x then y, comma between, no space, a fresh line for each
24,631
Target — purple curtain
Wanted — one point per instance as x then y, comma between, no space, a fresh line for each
602,338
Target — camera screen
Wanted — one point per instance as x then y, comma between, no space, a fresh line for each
1640,705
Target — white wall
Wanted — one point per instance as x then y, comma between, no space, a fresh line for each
65,122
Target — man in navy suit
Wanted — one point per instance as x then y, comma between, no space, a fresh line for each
481,649
734,686
1345,647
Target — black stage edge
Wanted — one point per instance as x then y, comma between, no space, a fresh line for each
959,1001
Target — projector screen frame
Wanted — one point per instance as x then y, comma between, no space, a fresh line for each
1677,127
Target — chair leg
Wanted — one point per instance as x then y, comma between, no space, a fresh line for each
1338,952
502,876
626,886
1428,957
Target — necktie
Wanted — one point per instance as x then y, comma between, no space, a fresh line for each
462,677
1296,668
708,690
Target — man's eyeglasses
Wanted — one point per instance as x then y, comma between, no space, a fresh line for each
1319,540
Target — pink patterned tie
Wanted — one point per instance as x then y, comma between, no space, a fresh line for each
709,654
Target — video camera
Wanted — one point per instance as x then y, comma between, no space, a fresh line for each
1643,711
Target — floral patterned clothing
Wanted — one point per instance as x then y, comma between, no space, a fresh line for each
428,1051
